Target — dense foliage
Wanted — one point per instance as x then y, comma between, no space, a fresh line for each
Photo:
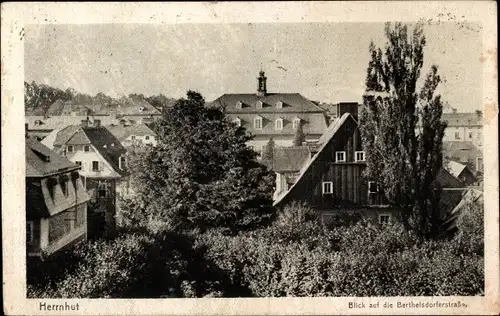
268,152
295,256
299,137
401,128
200,175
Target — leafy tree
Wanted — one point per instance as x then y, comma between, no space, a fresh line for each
268,152
201,174
402,129
299,136
39,97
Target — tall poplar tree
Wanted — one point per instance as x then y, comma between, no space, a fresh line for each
402,129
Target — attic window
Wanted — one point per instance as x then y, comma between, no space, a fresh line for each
279,104
327,187
259,104
359,156
86,148
239,105
340,156
141,108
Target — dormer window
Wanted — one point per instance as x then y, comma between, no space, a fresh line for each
141,108
279,104
296,123
278,124
239,105
237,121
259,104
257,122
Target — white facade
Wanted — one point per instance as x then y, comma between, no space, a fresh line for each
87,159
472,134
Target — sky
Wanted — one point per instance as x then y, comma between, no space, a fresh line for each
325,62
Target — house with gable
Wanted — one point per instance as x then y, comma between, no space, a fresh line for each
332,180
129,134
103,163
277,115
56,202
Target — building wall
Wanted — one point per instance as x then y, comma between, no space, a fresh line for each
86,159
142,139
473,134
259,142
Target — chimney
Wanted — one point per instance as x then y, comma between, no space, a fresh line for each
347,107
97,123
85,123
261,89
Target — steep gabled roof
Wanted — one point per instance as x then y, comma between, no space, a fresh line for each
107,145
329,134
454,168
42,162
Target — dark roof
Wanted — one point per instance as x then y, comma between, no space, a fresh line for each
107,144
292,103
447,180
288,159
42,162
463,119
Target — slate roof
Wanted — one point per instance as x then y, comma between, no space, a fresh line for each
42,162
107,144
123,132
461,150
462,119
292,103
288,159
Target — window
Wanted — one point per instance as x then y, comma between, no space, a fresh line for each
360,155
457,135
296,123
470,135
327,187
239,105
279,104
122,162
259,104
257,123
29,232
237,121
86,148
384,219
102,189
132,137
147,137
64,187
340,156
70,148
372,187
95,165
278,124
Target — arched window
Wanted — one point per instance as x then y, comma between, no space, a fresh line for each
278,124
296,123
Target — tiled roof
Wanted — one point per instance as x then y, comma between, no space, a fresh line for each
447,180
41,161
288,159
461,150
312,123
462,119
107,144
291,103
64,135
123,132
59,122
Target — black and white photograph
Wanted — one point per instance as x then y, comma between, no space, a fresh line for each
257,159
